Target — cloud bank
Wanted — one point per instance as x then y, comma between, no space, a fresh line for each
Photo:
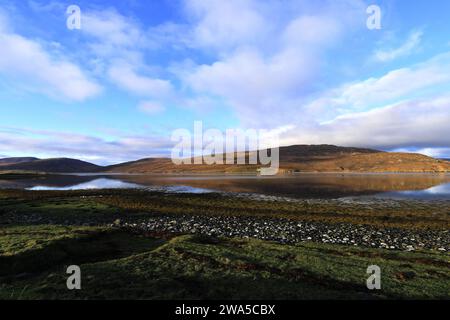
37,68
268,64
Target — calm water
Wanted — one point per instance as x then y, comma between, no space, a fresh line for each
414,186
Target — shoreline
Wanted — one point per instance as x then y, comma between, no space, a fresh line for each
285,231
221,175
388,224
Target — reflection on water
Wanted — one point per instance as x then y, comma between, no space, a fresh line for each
101,183
438,192
107,183
417,186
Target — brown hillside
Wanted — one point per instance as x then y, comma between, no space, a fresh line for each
10,161
58,165
378,162
302,158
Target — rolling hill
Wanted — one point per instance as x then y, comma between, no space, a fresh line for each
301,158
378,162
56,165
298,158
15,160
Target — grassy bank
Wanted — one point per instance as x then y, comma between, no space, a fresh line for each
119,265
42,232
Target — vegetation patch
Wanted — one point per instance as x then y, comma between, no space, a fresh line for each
28,250
128,266
41,233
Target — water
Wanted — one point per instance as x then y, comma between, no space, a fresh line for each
438,192
396,186
108,183
100,183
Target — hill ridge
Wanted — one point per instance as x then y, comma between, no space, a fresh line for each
56,165
301,158
296,158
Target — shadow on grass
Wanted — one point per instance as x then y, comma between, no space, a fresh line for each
89,247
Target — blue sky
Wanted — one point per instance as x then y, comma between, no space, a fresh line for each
312,71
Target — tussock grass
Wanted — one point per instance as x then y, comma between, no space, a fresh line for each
117,264
191,267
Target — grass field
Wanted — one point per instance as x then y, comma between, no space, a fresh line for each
119,265
41,233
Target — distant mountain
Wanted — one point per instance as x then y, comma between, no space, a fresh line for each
378,162
141,166
298,158
299,153
9,161
57,165
302,158
292,154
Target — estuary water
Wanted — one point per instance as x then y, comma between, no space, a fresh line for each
307,185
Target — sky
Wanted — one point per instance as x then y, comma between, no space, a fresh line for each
135,71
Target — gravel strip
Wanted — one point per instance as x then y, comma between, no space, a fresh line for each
290,232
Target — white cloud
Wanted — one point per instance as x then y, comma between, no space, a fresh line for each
120,43
439,153
150,107
46,144
38,69
420,123
125,77
263,59
254,86
224,24
113,32
405,49
263,72
396,85
311,30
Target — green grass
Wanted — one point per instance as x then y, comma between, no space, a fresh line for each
41,233
32,249
118,265
57,207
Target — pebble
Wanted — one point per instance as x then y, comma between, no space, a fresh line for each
290,232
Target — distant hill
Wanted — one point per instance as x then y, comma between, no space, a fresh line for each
301,153
298,158
57,165
302,158
292,154
378,162
9,161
